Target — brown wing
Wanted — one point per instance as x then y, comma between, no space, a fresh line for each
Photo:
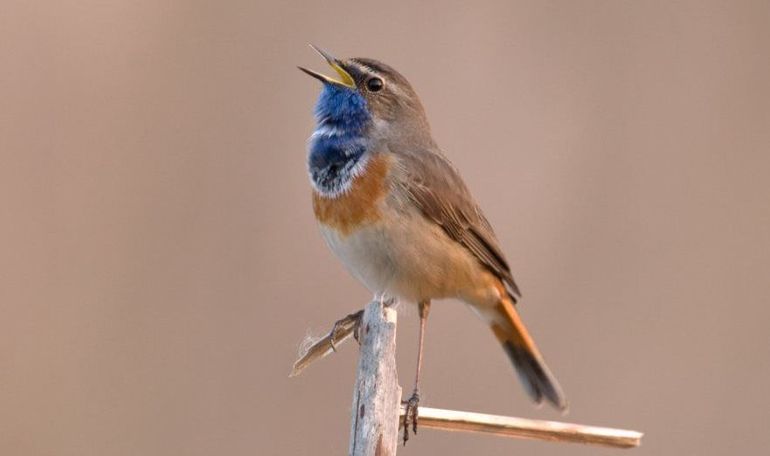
435,186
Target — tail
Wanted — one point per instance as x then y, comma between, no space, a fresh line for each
538,380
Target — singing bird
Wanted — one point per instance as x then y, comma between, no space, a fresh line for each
397,213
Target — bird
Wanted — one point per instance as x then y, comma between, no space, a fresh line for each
397,213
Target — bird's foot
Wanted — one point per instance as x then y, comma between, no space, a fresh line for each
339,330
357,316
411,414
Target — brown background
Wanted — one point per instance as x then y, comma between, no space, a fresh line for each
160,262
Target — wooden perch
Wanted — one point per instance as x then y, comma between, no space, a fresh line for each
506,426
376,399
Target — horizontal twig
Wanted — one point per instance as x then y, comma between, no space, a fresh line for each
451,420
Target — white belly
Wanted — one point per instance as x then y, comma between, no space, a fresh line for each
366,253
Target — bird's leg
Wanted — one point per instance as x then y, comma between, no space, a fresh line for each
410,414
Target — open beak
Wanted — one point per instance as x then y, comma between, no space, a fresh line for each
345,80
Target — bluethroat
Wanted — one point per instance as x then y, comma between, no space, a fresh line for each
397,213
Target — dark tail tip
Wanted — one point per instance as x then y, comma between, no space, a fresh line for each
537,379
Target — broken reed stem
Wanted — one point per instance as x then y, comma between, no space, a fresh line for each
507,426
377,396
341,332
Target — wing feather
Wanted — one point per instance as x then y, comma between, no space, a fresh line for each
434,185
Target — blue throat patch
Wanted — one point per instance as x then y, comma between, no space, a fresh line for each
339,142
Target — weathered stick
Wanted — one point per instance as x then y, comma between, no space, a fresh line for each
377,396
506,426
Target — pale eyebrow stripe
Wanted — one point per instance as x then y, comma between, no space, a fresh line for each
375,72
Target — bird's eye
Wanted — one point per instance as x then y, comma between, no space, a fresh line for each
374,84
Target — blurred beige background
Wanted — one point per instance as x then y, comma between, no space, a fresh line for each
160,262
